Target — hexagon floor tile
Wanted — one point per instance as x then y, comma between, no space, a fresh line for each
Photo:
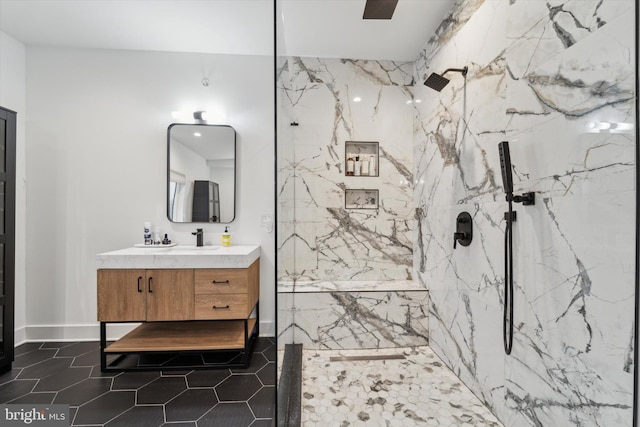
416,390
69,373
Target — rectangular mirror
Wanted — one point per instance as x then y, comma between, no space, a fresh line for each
201,173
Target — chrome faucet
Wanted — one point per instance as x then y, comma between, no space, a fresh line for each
199,236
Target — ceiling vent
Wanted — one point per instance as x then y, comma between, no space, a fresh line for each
379,9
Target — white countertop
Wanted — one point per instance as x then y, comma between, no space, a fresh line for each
240,256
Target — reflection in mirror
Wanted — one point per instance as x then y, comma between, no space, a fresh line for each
201,173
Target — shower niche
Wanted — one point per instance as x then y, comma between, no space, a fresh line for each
361,198
361,158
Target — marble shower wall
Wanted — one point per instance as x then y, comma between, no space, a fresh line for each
355,320
556,80
318,238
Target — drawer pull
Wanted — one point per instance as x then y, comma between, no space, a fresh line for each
226,307
149,283
139,280
215,282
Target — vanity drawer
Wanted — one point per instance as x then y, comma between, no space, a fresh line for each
221,281
228,306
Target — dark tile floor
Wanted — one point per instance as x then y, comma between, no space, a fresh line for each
69,373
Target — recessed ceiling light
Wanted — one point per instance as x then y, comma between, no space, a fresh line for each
357,99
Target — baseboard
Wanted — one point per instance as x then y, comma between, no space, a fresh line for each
20,336
65,333
91,332
267,328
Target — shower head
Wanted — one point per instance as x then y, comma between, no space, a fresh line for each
438,81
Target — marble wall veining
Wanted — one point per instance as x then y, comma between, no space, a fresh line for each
557,80
355,320
345,275
318,238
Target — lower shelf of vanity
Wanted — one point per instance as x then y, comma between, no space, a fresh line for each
183,336
204,338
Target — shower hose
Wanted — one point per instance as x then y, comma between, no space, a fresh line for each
507,324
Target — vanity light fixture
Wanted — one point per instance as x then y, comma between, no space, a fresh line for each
200,117
214,114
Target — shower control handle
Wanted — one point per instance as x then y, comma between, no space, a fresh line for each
527,199
464,230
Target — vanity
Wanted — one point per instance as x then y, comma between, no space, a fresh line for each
197,306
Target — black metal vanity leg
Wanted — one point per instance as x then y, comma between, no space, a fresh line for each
246,334
258,319
103,345
246,357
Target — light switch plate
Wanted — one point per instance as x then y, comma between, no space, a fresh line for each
266,222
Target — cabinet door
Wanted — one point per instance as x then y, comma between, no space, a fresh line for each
169,294
121,295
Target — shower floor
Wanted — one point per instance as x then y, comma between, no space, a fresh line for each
416,390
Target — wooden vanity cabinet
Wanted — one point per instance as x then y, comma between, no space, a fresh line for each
145,295
181,310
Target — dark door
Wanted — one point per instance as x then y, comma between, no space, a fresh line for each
7,233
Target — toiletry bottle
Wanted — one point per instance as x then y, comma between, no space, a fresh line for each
166,240
157,236
226,237
350,165
356,166
372,166
364,167
148,240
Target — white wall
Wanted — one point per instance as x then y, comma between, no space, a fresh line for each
96,165
13,97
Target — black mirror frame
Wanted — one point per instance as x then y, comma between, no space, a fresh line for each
235,173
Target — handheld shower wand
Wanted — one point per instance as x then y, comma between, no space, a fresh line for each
510,216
